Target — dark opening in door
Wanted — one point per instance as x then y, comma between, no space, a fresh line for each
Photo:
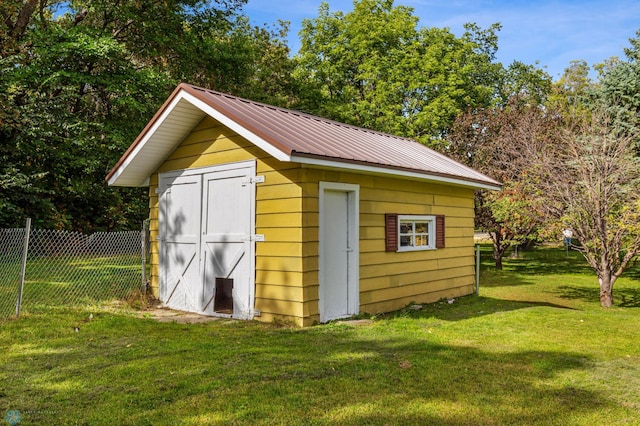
223,301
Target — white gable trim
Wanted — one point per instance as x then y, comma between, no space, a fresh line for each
241,130
144,142
129,172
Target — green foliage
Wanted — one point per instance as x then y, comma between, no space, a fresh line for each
78,102
616,91
527,83
375,68
573,87
77,88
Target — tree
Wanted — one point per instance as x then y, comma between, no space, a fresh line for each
373,67
618,88
575,83
592,183
503,142
526,83
72,98
77,88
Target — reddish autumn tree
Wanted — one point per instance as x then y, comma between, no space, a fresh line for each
504,142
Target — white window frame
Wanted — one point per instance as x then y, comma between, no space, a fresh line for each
431,232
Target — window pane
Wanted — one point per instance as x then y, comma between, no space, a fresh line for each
416,232
421,227
406,227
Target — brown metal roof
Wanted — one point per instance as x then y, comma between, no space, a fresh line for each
298,137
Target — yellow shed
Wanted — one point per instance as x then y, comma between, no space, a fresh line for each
258,212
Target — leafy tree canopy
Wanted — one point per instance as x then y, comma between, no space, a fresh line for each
80,79
374,67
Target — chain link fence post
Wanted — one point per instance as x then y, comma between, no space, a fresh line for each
477,269
23,268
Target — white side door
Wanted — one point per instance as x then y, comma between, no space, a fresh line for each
339,251
179,221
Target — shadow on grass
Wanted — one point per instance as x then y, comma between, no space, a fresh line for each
468,307
623,297
538,261
127,371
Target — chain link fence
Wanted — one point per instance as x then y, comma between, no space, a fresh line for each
66,268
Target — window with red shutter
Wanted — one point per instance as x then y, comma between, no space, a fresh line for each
414,232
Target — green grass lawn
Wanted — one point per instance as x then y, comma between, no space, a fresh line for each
534,348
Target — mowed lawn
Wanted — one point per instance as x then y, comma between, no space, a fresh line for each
533,348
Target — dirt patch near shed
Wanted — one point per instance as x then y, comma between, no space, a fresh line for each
146,306
162,314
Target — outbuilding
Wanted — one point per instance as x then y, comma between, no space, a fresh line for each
259,212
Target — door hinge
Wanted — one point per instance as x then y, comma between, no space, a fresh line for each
254,179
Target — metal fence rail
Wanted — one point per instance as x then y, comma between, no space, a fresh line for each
69,268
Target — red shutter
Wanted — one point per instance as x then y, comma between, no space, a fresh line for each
439,231
391,231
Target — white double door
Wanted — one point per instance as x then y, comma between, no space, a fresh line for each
206,224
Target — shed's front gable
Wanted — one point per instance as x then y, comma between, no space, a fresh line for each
295,185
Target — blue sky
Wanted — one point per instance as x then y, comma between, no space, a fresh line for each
551,32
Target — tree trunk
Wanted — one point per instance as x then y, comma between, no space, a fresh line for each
498,254
498,248
23,19
606,290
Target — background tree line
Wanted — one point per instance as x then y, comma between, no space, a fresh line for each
80,79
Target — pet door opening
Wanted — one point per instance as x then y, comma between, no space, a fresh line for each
223,301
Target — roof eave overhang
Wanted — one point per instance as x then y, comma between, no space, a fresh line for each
312,161
128,173
188,105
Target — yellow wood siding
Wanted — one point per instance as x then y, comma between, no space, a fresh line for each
390,280
287,214
279,263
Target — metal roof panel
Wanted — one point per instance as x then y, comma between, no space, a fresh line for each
300,135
